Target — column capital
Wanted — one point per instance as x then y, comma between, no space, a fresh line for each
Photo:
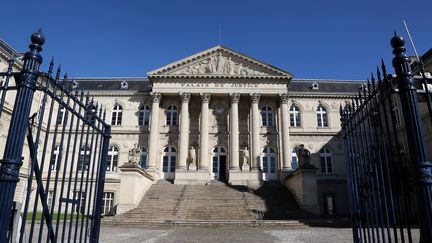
283,98
235,97
205,97
156,97
255,97
185,97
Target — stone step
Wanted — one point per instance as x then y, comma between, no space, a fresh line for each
165,203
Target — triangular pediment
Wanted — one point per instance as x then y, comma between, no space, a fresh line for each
219,61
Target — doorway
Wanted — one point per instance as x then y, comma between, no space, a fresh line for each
219,164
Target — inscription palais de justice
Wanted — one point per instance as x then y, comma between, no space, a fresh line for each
219,85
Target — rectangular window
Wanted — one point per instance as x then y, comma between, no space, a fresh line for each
49,199
265,165
294,162
165,164
143,160
329,203
80,198
173,163
272,164
323,165
215,164
147,119
107,203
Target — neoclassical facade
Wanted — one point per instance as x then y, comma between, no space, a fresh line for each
221,116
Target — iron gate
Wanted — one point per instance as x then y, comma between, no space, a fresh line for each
53,170
388,158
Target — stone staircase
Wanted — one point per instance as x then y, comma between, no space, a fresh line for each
204,205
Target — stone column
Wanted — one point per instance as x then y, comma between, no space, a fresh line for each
154,132
256,129
204,132
234,132
184,131
286,151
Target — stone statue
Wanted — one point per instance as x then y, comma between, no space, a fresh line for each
245,159
134,154
219,64
304,157
192,158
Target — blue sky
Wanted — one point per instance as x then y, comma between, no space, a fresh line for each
311,39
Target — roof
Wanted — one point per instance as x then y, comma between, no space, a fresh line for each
136,84
324,86
296,86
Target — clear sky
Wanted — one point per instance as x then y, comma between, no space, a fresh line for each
324,39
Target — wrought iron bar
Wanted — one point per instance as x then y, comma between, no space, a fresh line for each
12,159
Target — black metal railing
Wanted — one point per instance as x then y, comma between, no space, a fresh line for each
55,156
390,177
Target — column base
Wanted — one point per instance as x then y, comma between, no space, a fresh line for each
234,168
181,168
255,169
203,169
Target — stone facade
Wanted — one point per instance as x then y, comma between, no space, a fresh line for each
221,115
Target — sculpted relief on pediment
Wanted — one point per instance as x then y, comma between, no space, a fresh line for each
221,65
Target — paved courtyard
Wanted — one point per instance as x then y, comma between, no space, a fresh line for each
207,234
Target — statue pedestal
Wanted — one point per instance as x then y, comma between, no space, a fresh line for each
302,183
134,184
245,167
192,167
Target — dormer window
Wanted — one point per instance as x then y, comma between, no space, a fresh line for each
315,86
124,85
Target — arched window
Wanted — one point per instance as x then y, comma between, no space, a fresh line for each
55,157
144,115
143,158
326,161
267,116
294,159
295,120
268,160
61,116
322,120
171,115
116,118
113,153
84,158
169,159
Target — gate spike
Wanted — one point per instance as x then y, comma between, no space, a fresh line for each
65,78
364,89
100,110
58,72
356,99
373,80
353,107
11,62
383,68
104,114
82,95
369,85
359,94
51,66
378,73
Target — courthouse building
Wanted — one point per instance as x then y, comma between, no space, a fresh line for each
220,115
